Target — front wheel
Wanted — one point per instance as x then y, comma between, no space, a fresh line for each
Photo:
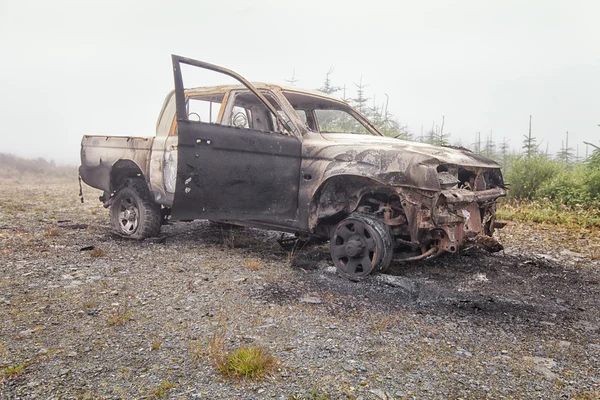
133,214
360,244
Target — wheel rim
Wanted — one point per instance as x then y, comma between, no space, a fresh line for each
129,215
354,249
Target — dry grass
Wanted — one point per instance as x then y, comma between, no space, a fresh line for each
314,394
52,232
97,252
228,238
155,345
384,323
545,212
120,316
253,264
162,391
216,343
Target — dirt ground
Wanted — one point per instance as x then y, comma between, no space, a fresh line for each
131,319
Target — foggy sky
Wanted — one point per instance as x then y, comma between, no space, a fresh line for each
78,67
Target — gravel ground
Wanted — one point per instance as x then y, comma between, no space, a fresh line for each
128,318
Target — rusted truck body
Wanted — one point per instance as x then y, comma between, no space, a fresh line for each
297,161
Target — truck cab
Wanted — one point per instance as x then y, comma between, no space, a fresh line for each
296,161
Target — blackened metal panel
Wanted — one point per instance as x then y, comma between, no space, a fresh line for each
238,174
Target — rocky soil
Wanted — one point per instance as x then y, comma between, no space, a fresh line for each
86,314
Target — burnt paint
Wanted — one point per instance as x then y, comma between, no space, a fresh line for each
225,172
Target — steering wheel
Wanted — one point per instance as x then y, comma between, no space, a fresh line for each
239,120
196,114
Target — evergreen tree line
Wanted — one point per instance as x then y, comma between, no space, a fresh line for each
571,177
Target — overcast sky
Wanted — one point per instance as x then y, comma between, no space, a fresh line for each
78,67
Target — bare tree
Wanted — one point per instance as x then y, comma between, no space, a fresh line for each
293,80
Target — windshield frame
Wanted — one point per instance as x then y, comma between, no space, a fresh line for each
333,104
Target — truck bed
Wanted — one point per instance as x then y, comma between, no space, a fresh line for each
100,153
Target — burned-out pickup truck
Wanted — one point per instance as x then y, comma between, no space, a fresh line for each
290,160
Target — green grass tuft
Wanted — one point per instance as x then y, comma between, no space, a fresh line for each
247,363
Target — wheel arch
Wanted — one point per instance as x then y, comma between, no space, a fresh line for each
341,195
122,170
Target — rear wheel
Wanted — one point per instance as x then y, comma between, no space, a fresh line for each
133,214
360,244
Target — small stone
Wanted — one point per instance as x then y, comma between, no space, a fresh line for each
72,354
563,344
311,300
64,371
27,333
348,368
114,293
570,253
379,393
543,366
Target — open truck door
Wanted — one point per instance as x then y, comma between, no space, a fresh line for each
234,173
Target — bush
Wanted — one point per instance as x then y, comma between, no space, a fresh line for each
550,191
568,187
526,175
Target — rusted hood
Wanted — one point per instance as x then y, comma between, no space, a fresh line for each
443,155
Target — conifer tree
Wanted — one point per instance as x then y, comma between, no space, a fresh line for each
530,145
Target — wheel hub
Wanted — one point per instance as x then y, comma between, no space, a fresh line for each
129,214
355,247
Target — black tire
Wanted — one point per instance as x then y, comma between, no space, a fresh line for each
361,244
133,213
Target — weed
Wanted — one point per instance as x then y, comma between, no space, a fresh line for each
13,370
52,232
155,345
89,304
253,264
85,395
586,395
120,316
314,394
162,391
252,363
384,323
291,256
97,252
228,238
216,343
198,350
247,363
